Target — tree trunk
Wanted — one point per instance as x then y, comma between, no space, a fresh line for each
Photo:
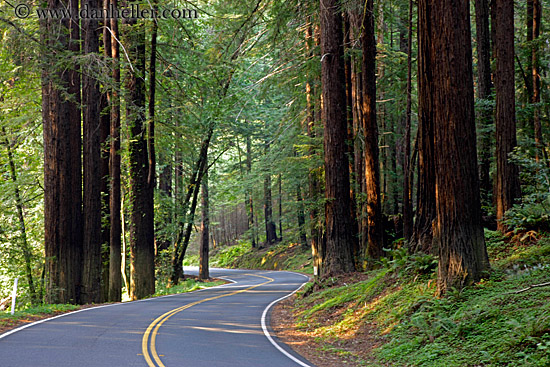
91,271
62,163
338,256
142,269
375,241
355,179
507,187
458,234
250,202
270,229
407,191
115,245
182,238
529,25
535,72
205,230
151,177
280,185
162,241
25,247
301,217
484,89
356,18
425,208
105,128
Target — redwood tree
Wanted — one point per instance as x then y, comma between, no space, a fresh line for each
91,271
205,230
484,90
507,187
535,74
62,164
370,129
338,256
142,268
425,205
270,229
458,234
115,245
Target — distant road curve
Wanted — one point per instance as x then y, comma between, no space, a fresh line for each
220,326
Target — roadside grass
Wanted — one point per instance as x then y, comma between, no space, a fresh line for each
282,256
488,324
224,257
32,313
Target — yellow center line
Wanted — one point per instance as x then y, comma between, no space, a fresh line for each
150,335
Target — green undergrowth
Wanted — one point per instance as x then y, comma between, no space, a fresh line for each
282,256
488,324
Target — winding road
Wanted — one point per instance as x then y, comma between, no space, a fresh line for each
221,326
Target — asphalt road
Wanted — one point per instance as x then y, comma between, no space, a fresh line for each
222,326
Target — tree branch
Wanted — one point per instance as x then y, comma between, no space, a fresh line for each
531,287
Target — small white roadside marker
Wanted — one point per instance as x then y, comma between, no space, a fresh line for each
13,295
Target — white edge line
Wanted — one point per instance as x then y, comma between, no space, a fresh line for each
268,335
7,333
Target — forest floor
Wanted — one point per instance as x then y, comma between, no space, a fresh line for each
351,351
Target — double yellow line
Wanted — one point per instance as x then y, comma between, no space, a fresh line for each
148,342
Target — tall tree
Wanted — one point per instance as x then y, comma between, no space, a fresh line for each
62,164
314,184
484,93
280,200
356,21
115,244
270,228
407,172
507,187
205,230
104,131
458,234
25,246
425,206
188,208
338,256
535,73
142,268
301,217
91,271
151,176
250,201
370,129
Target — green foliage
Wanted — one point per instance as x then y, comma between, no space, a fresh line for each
401,261
491,326
283,256
21,134
487,324
533,212
226,256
